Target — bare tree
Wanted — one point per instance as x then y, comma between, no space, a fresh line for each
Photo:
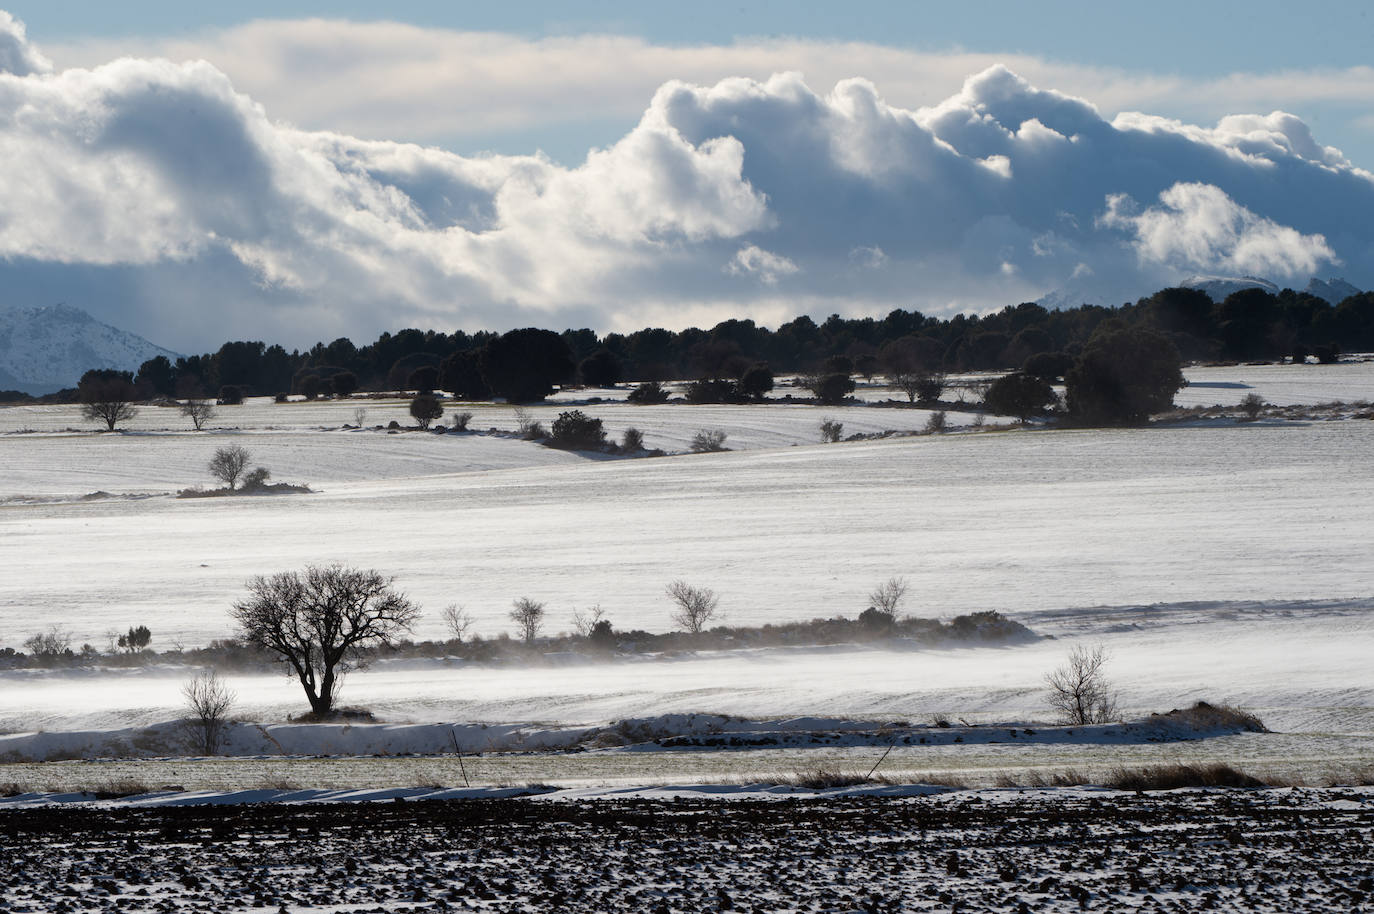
831,430
1079,690
56,640
458,620
228,464
584,622
317,622
695,605
528,616
208,703
360,416
887,596
198,411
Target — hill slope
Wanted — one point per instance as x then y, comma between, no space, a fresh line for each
49,348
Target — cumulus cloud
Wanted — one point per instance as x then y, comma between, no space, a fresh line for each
1200,227
758,262
17,56
168,201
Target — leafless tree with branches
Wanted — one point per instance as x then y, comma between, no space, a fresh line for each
208,703
228,464
695,605
584,621
887,596
1079,690
528,616
318,621
458,620
199,412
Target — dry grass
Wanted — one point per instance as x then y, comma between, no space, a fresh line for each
1178,775
1206,716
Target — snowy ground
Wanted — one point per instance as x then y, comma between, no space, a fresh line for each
1219,562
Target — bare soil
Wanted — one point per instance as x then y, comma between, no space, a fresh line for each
1002,851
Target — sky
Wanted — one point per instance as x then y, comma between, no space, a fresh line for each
299,171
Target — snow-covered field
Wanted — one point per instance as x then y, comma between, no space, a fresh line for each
1216,561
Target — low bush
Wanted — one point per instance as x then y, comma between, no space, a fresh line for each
575,430
632,441
708,440
831,430
1178,775
648,393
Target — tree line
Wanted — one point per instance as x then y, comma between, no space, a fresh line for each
523,365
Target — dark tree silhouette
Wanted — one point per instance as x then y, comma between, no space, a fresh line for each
601,369
425,408
524,365
316,622
1123,376
1020,395
107,396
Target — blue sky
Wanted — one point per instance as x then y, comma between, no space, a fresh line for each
300,171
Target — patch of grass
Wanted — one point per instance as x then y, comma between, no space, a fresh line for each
825,777
116,788
1178,775
1206,716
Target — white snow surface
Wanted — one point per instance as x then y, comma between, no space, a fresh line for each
1218,562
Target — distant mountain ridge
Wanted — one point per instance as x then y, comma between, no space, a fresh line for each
1334,290
48,348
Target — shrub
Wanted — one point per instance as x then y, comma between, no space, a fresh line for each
1251,405
1019,395
647,393
231,395
937,423
1179,775
575,429
256,478
460,420
602,636
632,441
534,431
712,390
830,388
344,384
425,408
708,440
281,397
831,430
928,387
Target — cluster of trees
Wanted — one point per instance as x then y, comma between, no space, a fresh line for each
524,365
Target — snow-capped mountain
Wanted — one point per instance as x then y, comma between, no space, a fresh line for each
49,348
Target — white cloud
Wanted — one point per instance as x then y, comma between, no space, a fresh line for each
166,199
754,260
1200,227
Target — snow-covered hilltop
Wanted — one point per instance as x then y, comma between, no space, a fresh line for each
49,348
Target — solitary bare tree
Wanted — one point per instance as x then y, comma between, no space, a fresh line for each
198,411
1079,690
887,596
528,616
318,621
228,464
585,622
458,620
208,703
695,605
